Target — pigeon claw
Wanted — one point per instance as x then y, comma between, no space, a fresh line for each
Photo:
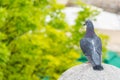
98,67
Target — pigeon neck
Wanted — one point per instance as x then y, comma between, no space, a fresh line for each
90,31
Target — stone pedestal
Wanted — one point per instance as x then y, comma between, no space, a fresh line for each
86,72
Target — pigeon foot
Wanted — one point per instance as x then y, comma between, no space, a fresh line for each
98,67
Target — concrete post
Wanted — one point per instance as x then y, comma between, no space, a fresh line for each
85,72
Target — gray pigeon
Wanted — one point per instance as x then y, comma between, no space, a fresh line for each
91,46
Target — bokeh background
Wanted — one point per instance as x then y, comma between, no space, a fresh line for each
39,39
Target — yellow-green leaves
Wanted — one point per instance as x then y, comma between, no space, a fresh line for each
34,48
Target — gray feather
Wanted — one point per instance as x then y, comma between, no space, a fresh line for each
91,45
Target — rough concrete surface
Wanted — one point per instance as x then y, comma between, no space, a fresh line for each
85,72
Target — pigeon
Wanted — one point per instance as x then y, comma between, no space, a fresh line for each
91,46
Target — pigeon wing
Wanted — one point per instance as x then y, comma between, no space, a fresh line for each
86,46
98,45
92,50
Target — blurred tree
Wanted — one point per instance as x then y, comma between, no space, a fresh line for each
35,41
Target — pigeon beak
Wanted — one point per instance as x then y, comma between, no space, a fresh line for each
84,24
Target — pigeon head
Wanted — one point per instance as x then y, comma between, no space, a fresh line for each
89,23
89,28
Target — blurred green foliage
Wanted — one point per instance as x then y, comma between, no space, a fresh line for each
33,48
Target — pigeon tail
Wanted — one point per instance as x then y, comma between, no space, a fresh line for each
98,67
